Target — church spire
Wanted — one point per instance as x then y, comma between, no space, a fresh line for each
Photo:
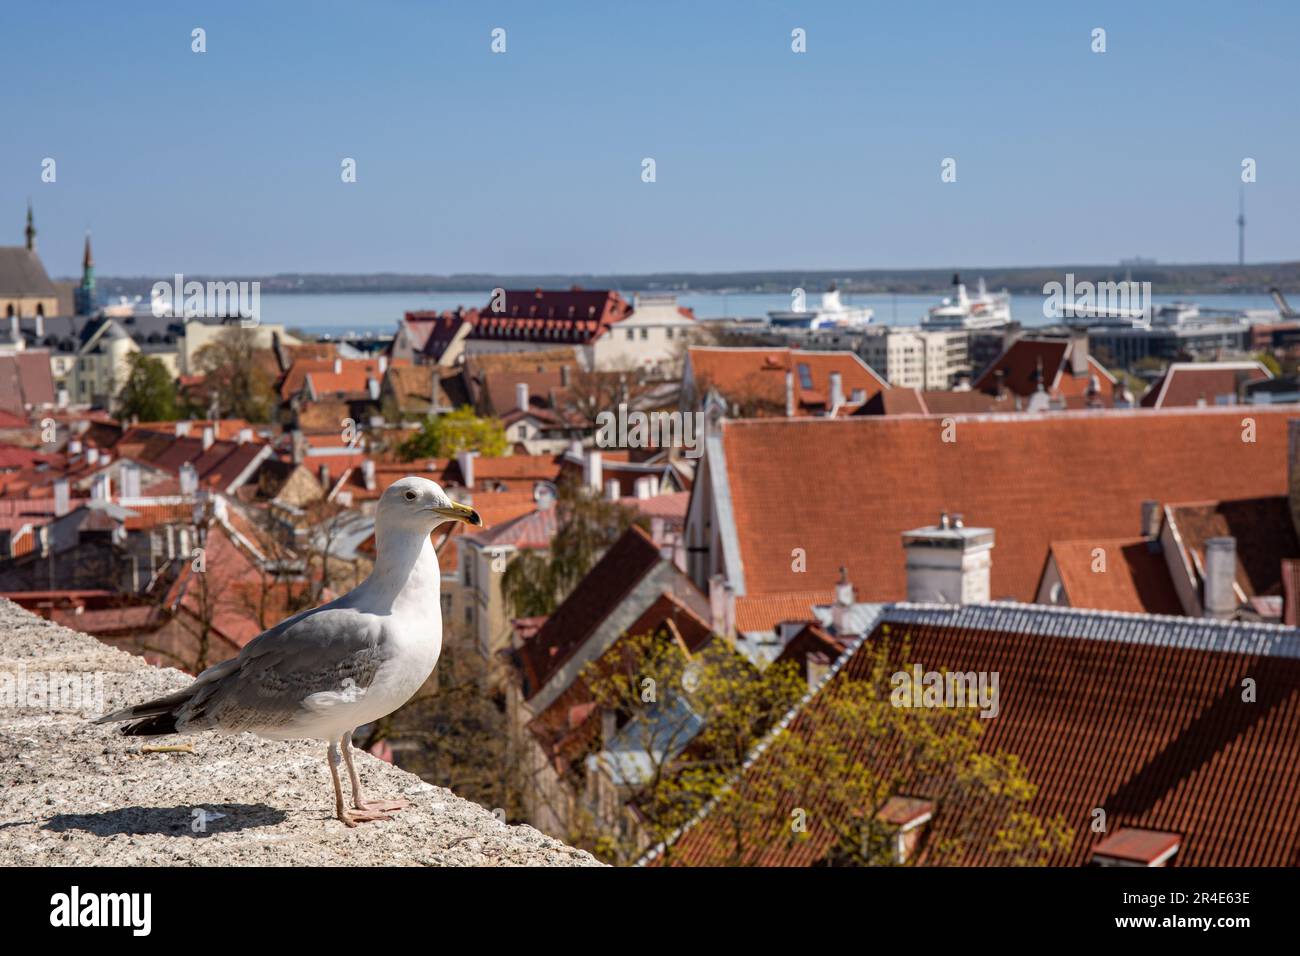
87,260
31,229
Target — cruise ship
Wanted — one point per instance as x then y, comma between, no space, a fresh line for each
962,311
833,314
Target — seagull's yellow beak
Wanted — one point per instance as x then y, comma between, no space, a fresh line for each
459,512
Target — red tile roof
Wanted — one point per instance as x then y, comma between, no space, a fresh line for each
856,484
1140,716
1136,576
1262,528
622,567
1020,365
759,374
1186,384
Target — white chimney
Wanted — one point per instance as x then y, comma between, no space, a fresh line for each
1220,595
74,446
15,333
372,387
789,394
62,398
101,489
1079,354
645,487
62,504
182,429
245,436
92,456
219,510
189,479
466,461
383,364
40,327
948,563
837,390
521,396
208,437
338,366
368,473
592,472
844,599
612,489
130,480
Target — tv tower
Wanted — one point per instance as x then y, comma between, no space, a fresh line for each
1241,227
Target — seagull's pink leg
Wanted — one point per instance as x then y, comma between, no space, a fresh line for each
379,807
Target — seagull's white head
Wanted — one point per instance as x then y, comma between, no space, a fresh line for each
420,505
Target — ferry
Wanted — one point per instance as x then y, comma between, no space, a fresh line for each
963,311
832,314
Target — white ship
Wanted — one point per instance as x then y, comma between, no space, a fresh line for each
833,314
962,311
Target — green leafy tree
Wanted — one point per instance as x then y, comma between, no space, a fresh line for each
148,393
536,582
695,718
442,436
829,775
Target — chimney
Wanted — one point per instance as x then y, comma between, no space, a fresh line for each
182,429
92,456
62,505
1079,354
613,491
62,398
1219,596
592,473
372,387
564,376
521,396
324,474
40,327
245,436
15,334
948,562
299,446
645,487
837,390
368,473
74,446
722,606
189,479
130,475
1151,519
101,489
383,364
844,599
466,461
789,394
208,437
338,366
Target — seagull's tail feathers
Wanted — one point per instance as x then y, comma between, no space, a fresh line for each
160,715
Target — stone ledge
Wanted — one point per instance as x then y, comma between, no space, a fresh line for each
76,794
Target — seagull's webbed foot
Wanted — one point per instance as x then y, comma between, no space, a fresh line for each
367,815
359,802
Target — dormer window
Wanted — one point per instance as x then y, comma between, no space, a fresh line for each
1136,846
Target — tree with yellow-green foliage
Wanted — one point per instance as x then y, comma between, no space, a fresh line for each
442,436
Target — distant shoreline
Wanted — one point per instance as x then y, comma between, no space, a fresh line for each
1165,279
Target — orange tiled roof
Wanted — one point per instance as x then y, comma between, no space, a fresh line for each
1138,715
1136,577
760,373
1186,384
858,483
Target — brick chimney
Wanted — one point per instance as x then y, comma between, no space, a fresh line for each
1219,594
948,563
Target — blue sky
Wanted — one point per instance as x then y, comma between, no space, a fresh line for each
228,162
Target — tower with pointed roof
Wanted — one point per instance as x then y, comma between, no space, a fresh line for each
85,300
31,229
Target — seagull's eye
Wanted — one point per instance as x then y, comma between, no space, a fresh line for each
410,496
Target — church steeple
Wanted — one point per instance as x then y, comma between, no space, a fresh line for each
31,229
84,295
87,261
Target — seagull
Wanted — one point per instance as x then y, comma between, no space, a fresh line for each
321,674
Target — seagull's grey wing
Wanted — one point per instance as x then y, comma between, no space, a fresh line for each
283,675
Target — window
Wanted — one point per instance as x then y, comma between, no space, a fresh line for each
630,334
668,333
645,334
805,376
